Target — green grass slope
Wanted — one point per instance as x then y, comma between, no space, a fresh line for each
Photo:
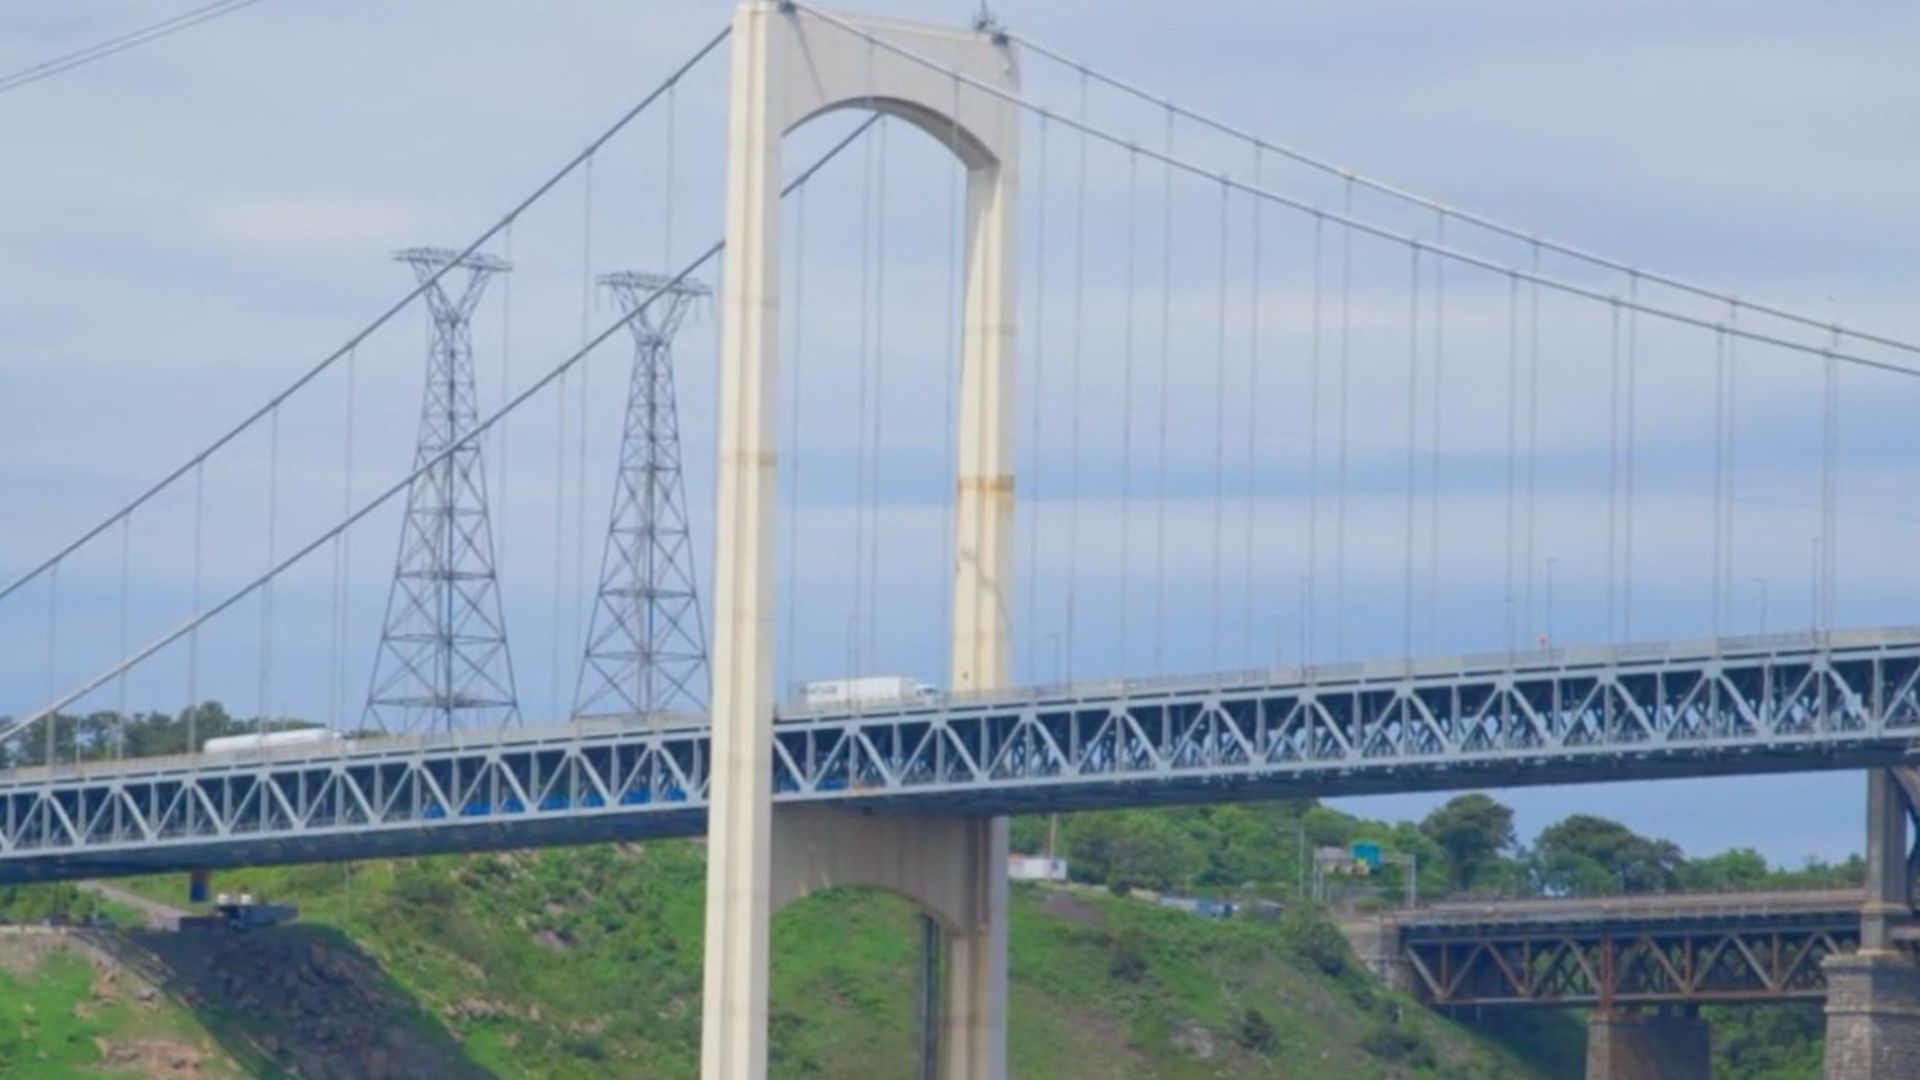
586,963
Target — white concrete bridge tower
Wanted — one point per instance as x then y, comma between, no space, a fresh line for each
789,66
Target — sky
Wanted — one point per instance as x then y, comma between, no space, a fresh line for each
185,227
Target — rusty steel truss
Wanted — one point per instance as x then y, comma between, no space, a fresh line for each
1750,952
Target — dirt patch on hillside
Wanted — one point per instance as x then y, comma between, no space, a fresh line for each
303,999
23,949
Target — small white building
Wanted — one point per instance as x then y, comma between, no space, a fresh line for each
1036,868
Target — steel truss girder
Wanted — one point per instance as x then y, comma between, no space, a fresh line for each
1737,961
1729,707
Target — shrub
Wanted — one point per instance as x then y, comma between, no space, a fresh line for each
1397,1044
1256,1031
1315,940
1129,960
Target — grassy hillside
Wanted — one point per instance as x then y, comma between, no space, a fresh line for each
585,963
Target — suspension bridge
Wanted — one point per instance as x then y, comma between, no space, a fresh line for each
1276,422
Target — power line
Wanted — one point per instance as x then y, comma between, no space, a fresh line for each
46,69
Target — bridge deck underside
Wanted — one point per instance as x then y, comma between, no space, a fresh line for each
1718,708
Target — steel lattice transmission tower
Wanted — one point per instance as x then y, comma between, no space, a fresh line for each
443,662
646,644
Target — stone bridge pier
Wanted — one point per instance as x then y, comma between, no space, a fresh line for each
1873,996
1653,1044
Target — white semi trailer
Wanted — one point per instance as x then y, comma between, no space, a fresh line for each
259,741
866,690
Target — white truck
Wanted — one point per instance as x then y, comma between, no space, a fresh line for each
867,690
260,741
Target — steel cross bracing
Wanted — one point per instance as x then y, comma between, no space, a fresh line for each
1732,706
1634,951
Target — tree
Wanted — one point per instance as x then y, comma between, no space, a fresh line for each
1587,855
1134,847
1471,831
1740,868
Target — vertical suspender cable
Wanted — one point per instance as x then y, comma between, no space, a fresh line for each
582,603
949,378
273,559
193,636
53,661
1719,481
500,440
1733,446
1220,425
126,570
1633,380
1037,408
1311,592
1166,371
1530,558
1413,445
1830,485
795,413
1340,436
343,562
857,561
1513,450
1073,403
559,540
1126,406
1433,466
1613,476
879,406
1254,300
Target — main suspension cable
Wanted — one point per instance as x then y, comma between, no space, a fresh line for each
1477,220
420,288
1381,232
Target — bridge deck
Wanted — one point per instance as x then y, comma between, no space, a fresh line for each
1730,706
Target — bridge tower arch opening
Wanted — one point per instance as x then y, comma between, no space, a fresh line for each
789,66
